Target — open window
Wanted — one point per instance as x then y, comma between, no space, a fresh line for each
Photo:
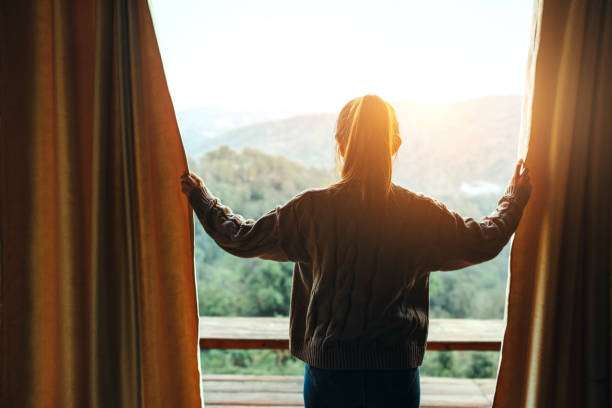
257,87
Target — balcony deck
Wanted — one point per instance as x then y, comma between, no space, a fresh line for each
233,391
240,391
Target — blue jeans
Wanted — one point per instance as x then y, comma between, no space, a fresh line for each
361,388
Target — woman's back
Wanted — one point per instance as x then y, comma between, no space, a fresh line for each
360,292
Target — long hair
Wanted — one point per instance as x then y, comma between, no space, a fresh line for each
367,136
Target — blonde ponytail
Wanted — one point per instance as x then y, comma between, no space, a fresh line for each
367,135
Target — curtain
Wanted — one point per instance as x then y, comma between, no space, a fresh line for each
556,349
98,304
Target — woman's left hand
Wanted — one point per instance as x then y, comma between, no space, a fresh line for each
190,182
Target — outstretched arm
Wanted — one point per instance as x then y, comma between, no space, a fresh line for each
460,242
248,238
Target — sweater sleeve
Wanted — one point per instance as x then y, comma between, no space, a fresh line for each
460,242
274,236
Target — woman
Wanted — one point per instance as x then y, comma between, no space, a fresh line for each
363,249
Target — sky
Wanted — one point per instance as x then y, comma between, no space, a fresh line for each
313,56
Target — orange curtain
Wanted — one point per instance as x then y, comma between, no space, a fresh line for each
556,349
98,304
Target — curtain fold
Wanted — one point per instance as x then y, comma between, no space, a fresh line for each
97,291
556,349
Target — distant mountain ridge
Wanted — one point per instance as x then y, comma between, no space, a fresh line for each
444,146
201,123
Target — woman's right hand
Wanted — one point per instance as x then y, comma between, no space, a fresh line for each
521,181
190,182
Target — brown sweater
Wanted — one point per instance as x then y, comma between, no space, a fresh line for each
360,296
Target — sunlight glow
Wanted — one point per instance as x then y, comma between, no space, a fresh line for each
315,56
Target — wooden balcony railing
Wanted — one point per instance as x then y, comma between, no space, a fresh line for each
273,333
224,391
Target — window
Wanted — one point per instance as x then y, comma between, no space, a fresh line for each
257,87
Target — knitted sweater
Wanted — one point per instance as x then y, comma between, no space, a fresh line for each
360,292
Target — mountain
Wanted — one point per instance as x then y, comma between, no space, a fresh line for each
201,123
467,146
447,146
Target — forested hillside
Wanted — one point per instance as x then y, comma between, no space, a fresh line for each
251,183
